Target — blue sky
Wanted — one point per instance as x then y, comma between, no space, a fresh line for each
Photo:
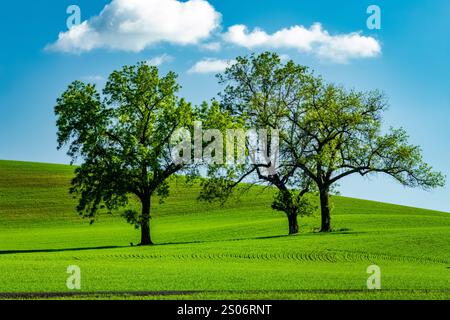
411,63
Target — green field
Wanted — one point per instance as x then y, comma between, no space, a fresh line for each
204,251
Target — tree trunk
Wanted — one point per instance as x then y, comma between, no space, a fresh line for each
325,210
145,223
293,224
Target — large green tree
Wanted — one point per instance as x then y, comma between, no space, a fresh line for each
344,129
122,139
326,132
259,93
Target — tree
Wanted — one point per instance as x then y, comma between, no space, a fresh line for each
123,140
326,133
259,93
344,129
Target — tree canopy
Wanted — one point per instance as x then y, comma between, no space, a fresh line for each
294,131
326,133
259,93
344,136
122,139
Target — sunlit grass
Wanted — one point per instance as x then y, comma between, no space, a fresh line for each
238,251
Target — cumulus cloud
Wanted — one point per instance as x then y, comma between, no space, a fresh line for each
314,40
159,60
209,65
133,25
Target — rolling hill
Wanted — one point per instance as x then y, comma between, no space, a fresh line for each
205,251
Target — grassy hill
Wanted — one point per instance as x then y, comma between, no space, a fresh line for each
203,251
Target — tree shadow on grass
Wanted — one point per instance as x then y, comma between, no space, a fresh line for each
25,251
347,232
5,252
2,252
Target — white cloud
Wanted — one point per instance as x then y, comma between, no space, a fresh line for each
209,65
159,60
212,46
94,78
315,40
284,58
133,25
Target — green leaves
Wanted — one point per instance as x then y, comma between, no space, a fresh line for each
344,137
260,93
122,137
326,132
294,202
393,155
81,118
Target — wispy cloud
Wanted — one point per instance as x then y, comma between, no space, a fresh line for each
314,40
209,65
212,46
93,78
133,25
284,57
159,60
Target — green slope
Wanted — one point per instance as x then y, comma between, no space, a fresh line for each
206,251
